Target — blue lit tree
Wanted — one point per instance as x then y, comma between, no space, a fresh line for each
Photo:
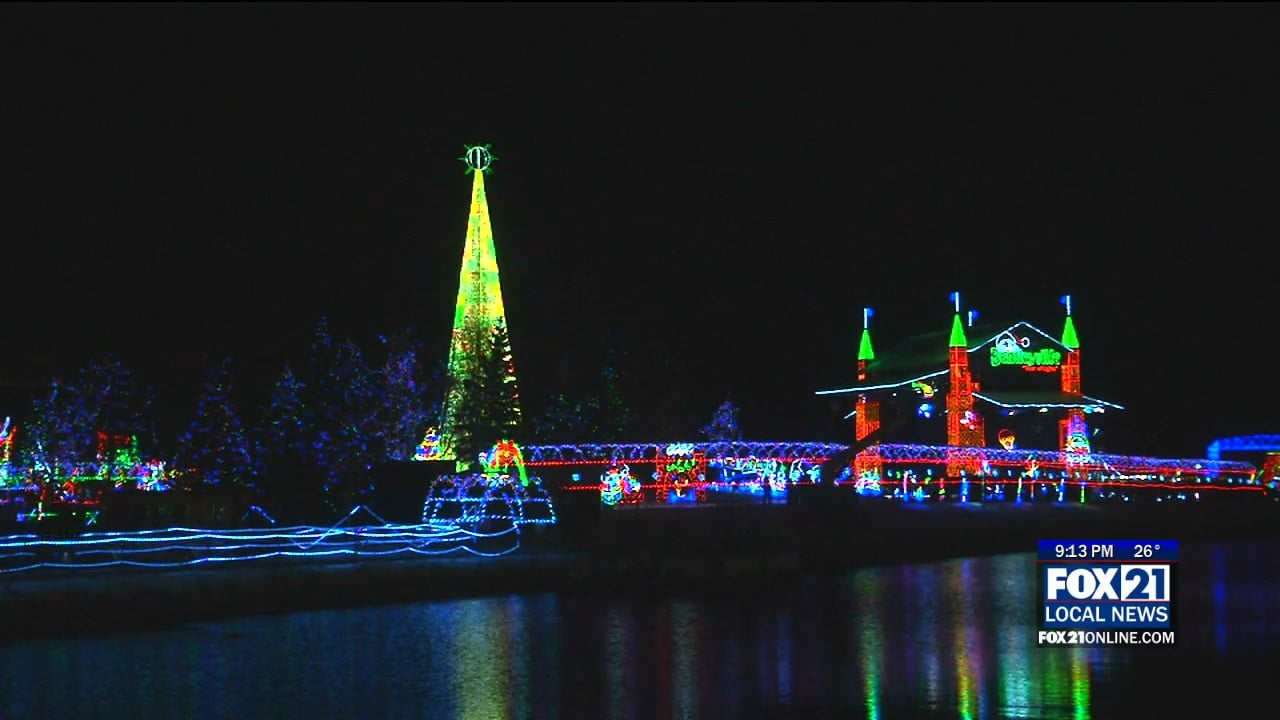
216,445
59,434
286,419
285,436
724,424
406,411
348,439
102,397
327,425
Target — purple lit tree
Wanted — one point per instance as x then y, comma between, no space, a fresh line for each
406,412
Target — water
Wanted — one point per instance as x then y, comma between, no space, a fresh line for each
953,639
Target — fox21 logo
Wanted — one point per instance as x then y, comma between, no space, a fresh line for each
1125,583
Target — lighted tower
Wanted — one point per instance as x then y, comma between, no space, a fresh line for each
964,426
1072,431
479,316
866,419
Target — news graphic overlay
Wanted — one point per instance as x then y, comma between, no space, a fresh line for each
1106,593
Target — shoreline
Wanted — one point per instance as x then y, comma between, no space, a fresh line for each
678,549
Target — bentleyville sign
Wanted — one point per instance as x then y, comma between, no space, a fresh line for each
1009,349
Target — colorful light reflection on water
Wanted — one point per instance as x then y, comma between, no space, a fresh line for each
950,639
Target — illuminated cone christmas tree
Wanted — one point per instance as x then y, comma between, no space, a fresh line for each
481,397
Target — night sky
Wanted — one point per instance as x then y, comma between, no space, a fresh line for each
720,189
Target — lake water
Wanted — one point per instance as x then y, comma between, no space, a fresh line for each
953,639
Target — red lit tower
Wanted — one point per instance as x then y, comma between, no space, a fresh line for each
1072,431
866,412
964,426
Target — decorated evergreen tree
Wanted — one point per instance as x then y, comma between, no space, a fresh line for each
215,444
286,437
406,413
614,417
285,421
567,420
102,397
320,356
601,415
59,434
502,393
349,438
492,411
724,424
111,388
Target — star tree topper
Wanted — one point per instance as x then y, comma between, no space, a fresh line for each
478,158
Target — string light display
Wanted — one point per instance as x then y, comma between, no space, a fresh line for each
7,434
118,465
683,472
429,448
920,472
752,475
503,456
492,496
1269,475
638,453
1007,439
476,500
905,453
479,309
619,486
184,547
1243,443
680,473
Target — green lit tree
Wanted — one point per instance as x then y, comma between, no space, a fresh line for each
613,416
600,415
492,412
567,420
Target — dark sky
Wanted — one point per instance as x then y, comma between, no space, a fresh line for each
721,187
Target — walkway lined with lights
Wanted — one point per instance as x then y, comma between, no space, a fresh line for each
186,547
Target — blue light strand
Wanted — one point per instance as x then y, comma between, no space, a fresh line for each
479,498
1243,443
261,544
